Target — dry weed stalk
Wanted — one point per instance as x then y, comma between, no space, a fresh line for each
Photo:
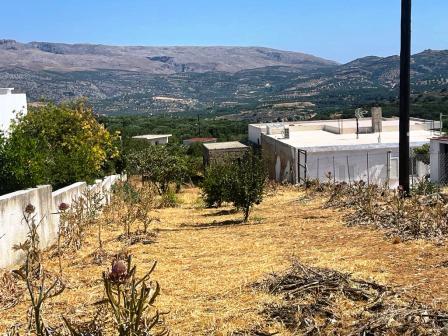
33,275
418,216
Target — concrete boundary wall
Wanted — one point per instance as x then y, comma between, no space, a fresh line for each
13,227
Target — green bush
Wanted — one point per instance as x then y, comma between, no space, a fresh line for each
169,199
240,182
161,165
217,184
248,183
57,145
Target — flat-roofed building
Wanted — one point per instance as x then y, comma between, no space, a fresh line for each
154,139
10,104
223,150
340,150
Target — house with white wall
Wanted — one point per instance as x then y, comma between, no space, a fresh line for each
339,150
10,104
154,139
438,154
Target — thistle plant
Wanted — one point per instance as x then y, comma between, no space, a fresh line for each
93,203
130,299
33,275
63,220
76,224
31,245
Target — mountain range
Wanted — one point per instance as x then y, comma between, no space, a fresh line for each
243,82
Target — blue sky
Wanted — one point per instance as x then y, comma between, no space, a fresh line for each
336,29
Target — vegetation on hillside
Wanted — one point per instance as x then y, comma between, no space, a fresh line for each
57,145
238,181
180,128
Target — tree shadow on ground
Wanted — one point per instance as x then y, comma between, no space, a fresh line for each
224,212
220,224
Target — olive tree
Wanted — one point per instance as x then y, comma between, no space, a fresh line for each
239,181
248,183
160,164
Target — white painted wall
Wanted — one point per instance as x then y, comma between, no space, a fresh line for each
10,104
13,228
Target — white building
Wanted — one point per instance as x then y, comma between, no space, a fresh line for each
332,149
439,159
10,104
154,139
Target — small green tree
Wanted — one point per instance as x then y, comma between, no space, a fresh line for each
217,184
422,153
160,164
248,178
240,181
57,145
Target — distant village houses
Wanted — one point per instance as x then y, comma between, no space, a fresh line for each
154,139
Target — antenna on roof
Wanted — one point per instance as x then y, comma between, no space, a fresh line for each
359,113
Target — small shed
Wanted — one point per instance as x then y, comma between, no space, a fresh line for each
439,159
188,142
154,139
223,150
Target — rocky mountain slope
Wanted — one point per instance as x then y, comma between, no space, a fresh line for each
153,60
246,83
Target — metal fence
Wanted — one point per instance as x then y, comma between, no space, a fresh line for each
379,168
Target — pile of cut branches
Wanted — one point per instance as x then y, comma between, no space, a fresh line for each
414,217
318,301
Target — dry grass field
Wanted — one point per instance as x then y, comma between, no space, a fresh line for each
207,261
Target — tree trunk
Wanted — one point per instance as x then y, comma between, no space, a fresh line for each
246,214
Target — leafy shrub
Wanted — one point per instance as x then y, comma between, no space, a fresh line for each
54,144
169,199
248,183
217,184
160,164
241,182
422,153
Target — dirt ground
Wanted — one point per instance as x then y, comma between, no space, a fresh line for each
207,260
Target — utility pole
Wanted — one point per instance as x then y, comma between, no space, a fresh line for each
405,93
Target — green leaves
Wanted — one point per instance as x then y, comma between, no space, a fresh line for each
130,299
54,144
160,164
240,181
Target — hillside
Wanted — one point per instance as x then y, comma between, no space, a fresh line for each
255,84
39,56
208,263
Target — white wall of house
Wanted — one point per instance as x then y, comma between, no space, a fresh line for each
154,139
159,141
438,154
10,104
